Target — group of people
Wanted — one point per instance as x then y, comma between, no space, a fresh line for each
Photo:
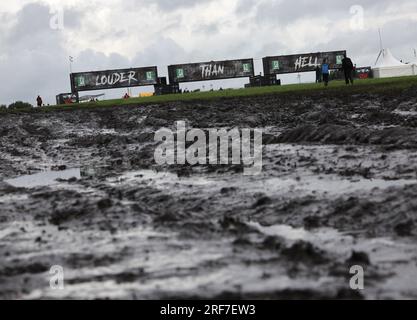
323,73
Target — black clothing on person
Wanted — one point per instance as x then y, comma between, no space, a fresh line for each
347,66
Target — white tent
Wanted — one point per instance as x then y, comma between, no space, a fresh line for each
388,66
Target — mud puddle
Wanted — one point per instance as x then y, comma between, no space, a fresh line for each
406,113
305,184
47,178
160,180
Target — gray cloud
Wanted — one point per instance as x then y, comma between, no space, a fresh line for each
282,12
166,5
32,19
207,28
90,60
73,18
34,58
169,5
163,51
364,46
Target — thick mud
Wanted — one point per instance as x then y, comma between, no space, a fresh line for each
80,189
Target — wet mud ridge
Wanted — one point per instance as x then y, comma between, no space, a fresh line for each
80,189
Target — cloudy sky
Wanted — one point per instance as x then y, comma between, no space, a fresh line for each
35,42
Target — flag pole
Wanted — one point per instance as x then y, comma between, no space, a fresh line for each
380,39
381,52
71,60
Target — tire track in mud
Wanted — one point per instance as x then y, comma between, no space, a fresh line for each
338,188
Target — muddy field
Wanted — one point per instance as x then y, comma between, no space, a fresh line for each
80,189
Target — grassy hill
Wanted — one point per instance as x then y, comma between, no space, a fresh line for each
361,86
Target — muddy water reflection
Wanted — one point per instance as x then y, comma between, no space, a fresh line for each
44,179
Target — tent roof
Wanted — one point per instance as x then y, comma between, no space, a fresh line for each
388,60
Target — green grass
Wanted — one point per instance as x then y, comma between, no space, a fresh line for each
361,86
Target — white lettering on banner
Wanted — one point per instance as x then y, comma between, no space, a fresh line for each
304,62
116,78
211,70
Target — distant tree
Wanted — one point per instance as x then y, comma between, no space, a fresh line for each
3,106
20,105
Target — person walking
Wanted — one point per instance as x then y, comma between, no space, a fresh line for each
348,67
325,71
39,101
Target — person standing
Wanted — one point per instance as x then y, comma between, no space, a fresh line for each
348,67
325,71
39,101
318,74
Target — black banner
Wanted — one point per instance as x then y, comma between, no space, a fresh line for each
67,98
112,79
216,310
302,62
214,70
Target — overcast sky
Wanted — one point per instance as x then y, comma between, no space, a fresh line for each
106,34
